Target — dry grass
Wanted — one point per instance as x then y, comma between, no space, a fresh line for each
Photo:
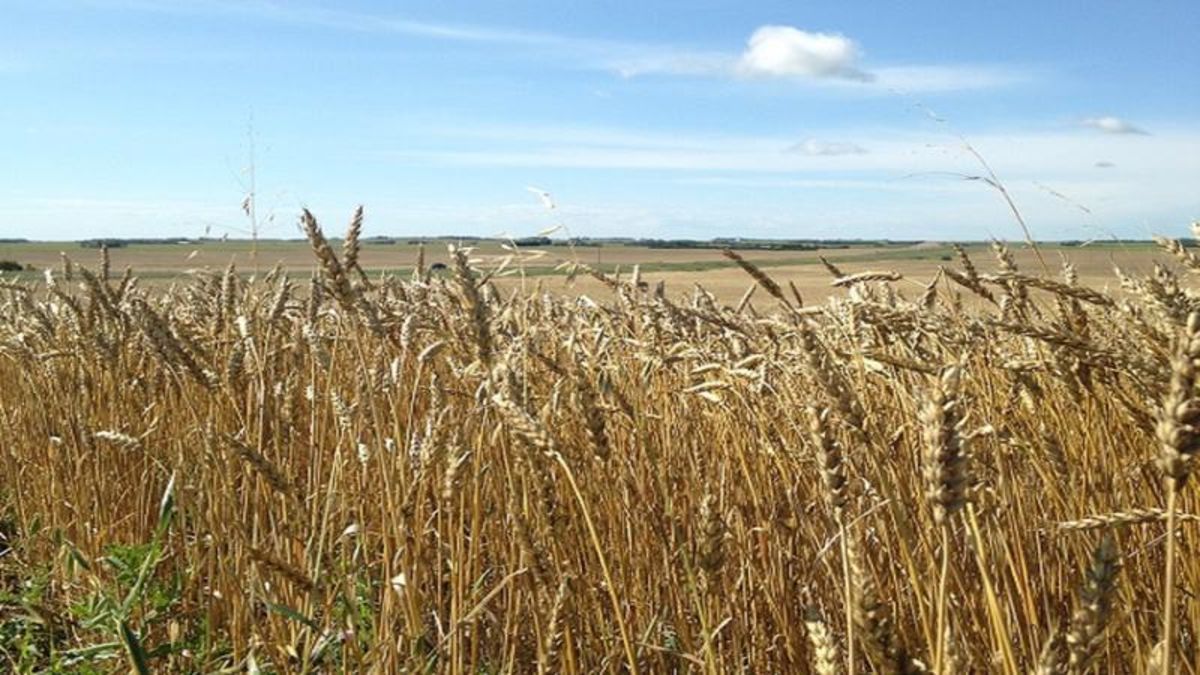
451,475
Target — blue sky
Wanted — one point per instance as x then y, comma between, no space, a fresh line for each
658,119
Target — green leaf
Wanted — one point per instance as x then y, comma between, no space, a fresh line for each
74,557
139,586
133,648
101,616
166,508
92,651
292,614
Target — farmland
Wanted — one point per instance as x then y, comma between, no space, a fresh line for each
678,269
977,468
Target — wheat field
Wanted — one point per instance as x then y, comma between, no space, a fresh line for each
982,472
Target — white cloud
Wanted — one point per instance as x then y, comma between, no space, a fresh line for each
784,51
814,147
1113,125
1104,165
828,60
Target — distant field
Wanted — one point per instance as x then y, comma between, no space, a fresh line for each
679,268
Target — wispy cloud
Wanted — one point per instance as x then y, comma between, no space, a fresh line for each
10,65
945,78
1046,153
657,61
896,79
882,184
804,57
1114,125
815,147
339,19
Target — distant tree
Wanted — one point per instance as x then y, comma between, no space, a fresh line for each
97,243
533,241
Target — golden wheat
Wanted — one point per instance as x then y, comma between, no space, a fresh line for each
436,475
